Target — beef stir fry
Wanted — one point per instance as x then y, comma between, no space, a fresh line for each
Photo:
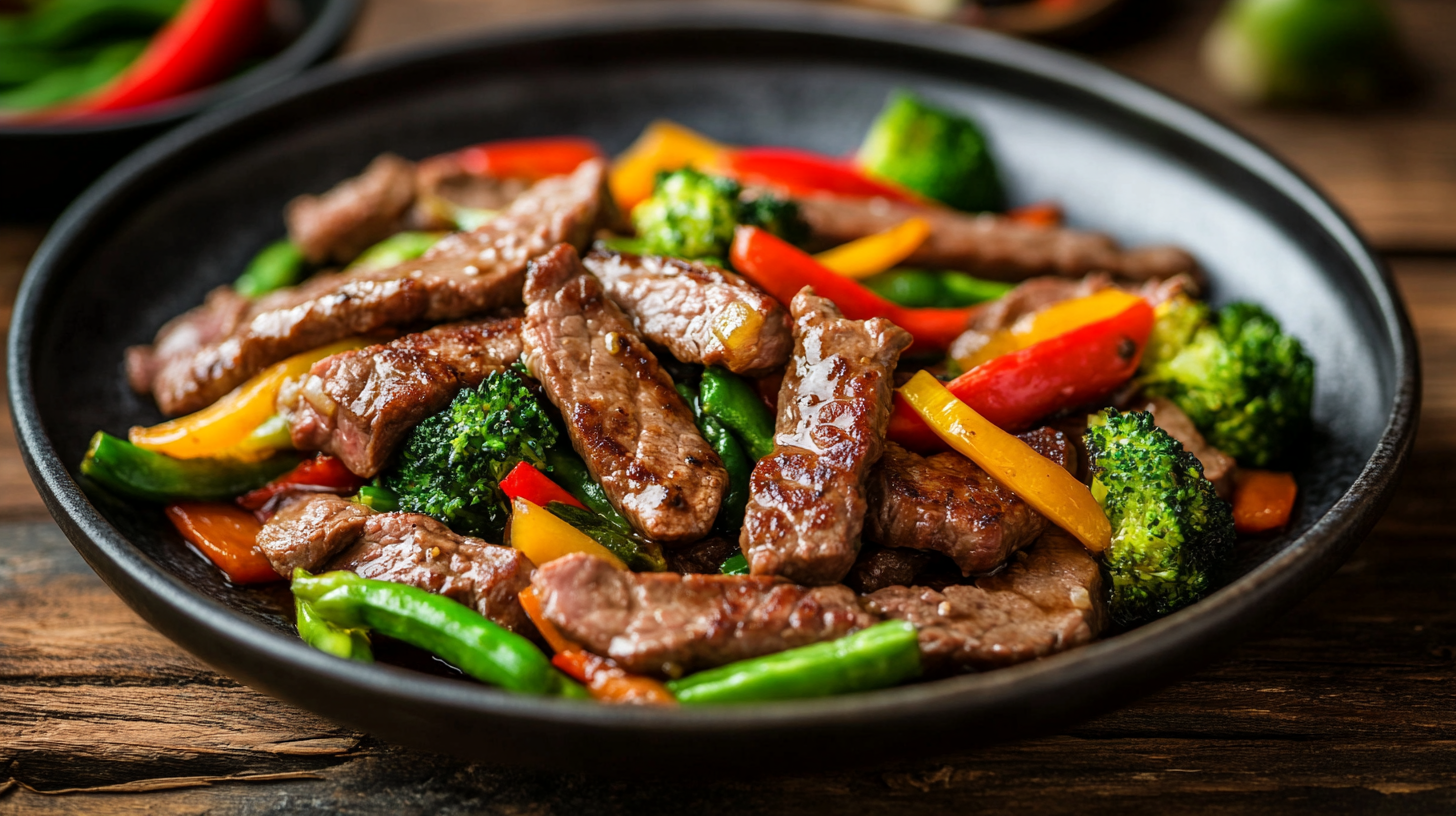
708,424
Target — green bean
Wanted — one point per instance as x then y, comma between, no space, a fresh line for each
456,633
878,657
350,644
278,265
735,402
139,473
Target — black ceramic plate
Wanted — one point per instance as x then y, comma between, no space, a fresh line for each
45,166
184,214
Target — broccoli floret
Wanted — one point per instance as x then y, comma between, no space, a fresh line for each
937,153
1245,383
692,215
451,464
1171,533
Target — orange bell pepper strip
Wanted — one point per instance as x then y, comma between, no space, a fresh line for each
663,145
1017,389
1058,318
1263,500
543,537
1040,482
526,482
220,427
782,269
604,679
799,172
227,535
876,253
530,159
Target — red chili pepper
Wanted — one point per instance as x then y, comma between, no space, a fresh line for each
782,269
1015,390
526,482
530,159
322,474
799,172
199,46
227,535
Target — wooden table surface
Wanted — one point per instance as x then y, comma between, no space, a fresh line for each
1346,704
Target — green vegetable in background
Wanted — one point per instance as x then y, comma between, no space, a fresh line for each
1305,51
277,265
639,554
395,250
350,644
693,215
60,24
456,633
878,657
451,464
940,154
918,287
734,401
1171,534
1246,384
68,82
124,468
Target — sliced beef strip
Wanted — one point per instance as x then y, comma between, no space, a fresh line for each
1218,467
307,531
687,307
217,318
666,624
991,245
948,504
355,214
443,183
806,500
462,275
622,413
1047,601
359,405
414,549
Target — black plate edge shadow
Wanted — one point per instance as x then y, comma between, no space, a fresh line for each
1020,701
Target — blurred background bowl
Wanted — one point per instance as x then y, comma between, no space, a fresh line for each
44,166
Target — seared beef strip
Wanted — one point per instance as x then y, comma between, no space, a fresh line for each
414,549
690,308
307,531
182,336
661,623
991,245
462,275
806,501
1218,467
948,504
359,405
624,416
1048,600
355,214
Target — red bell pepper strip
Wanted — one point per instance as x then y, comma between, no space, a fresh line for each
530,159
199,46
526,482
321,474
1014,390
605,680
799,172
782,269
227,535
1263,500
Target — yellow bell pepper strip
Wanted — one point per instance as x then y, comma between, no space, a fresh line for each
663,145
219,427
876,253
1056,319
543,537
1042,483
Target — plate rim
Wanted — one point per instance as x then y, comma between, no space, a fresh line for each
1213,622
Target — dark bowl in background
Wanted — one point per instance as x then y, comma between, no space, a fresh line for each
185,214
44,167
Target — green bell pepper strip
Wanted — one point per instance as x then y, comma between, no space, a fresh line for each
350,644
735,564
395,250
639,554
379,499
878,657
735,402
139,473
456,633
278,265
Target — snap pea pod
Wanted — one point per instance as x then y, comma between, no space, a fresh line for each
454,632
350,644
132,471
736,404
277,265
639,554
395,250
878,657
